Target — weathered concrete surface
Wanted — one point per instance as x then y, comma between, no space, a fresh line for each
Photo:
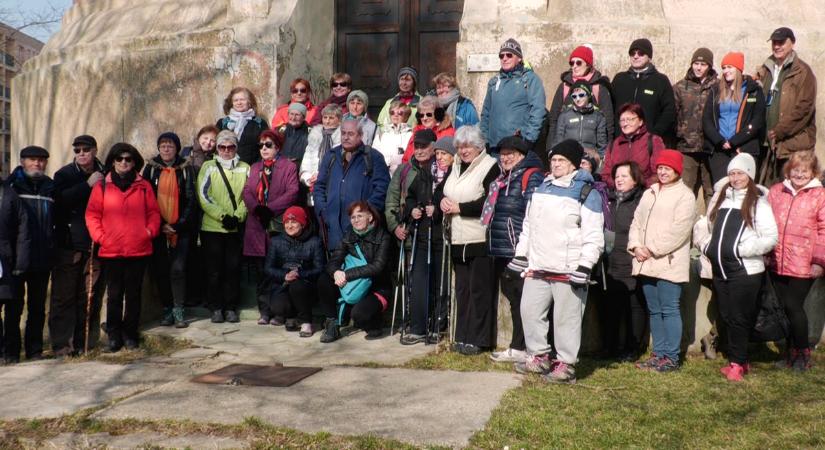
424,407
127,71
138,440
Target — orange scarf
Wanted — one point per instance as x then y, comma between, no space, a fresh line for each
168,200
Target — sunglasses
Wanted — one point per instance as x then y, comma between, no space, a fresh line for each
637,53
396,113
227,147
336,84
267,144
576,63
505,55
78,150
126,159
577,96
299,91
419,115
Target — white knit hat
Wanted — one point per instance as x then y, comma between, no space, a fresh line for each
745,163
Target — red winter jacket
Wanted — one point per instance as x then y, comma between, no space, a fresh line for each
408,153
800,219
123,224
634,148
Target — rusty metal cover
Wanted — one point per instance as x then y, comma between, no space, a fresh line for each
252,375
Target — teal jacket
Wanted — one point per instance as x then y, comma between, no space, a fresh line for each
515,101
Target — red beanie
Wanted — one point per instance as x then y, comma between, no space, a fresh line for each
297,214
670,158
734,59
585,53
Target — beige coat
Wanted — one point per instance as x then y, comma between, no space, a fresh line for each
662,223
465,188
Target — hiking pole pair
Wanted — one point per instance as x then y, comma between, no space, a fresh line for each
400,279
405,306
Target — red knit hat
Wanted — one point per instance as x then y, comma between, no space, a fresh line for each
734,59
297,214
583,52
670,158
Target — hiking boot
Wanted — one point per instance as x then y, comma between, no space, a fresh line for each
113,346
470,350
232,317
374,334
510,355
131,344
457,346
177,313
787,362
263,320
306,330
734,372
217,316
666,365
803,360
167,320
276,321
332,332
649,363
709,347
534,364
291,325
412,339
561,373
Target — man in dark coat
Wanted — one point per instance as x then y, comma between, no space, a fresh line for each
75,267
36,193
15,243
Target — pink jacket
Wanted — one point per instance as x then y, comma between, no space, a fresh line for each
800,217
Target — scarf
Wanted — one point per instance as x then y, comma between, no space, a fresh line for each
365,232
168,200
326,142
438,173
228,164
238,120
450,101
264,179
495,187
123,181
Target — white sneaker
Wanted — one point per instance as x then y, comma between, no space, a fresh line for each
509,355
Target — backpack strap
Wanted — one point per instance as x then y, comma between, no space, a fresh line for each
368,161
405,170
525,178
228,187
585,192
649,145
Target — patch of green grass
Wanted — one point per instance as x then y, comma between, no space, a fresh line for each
151,345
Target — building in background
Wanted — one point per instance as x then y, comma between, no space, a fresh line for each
15,48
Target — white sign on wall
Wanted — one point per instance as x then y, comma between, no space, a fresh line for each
483,62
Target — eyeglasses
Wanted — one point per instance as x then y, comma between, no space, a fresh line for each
396,113
628,119
576,62
355,217
336,84
267,144
505,55
577,96
126,159
227,147
637,53
419,115
78,150
299,91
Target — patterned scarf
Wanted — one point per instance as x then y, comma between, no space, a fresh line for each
505,179
264,179
238,120
450,101
168,200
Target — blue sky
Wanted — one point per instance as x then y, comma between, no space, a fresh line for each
17,11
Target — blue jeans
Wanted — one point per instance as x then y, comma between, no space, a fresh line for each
665,318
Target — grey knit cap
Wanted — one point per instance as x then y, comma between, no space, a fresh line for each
445,144
361,95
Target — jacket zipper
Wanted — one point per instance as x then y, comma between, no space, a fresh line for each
719,246
784,229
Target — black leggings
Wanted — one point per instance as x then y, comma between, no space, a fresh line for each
367,314
512,284
293,300
623,303
791,292
124,279
222,251
476,296
738,300
168,267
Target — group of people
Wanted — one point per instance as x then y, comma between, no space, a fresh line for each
342,215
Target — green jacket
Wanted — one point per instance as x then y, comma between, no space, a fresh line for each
394,206
214,197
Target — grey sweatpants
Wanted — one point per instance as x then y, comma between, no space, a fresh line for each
568,309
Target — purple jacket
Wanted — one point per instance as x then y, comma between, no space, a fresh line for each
283,193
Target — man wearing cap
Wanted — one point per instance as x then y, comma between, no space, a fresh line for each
645,85
690,95
556,266
75,267
514,103
36,193
407,94
789,85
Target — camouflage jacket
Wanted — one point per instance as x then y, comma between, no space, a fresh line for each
691,96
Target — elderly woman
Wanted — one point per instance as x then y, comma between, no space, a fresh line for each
460,109
271,188
583,122
634,144
356,283
582,70
475,283
798,205
503,214
321,139
300,91
357,104
123,217
394,138
659,240
430,116
202,148
407,94
340,85
220,185
173,180
296,134
240,106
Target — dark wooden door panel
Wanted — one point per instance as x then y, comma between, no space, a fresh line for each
439,11
372,61
372,12
436,54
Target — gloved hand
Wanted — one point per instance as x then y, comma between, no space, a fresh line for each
264,213
518,264
229,223
579,278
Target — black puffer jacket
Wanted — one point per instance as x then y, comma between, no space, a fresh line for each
619,261
187,199
15,240
653,91
37,197
71,194
508,216
421,193
376,246
286,253
751,130
295,143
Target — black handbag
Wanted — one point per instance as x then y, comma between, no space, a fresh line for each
772,323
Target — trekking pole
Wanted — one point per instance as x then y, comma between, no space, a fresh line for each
89,297
429,281
399,287
406,304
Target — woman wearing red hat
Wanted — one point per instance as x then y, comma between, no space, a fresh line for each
294,260
734,117
659,240
581,69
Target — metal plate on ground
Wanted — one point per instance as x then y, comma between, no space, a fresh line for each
253,375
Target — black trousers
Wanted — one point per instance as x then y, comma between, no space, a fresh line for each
124,280
512,284
366,314
738,299
421,299
476,297
623,304
792,292
168,268
294,300
10,337
223,271
67,308
30,290
718,163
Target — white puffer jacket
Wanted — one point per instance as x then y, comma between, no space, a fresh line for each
309,165
392,142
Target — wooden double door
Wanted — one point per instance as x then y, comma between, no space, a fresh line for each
375,38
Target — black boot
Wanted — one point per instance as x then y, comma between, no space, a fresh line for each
332,331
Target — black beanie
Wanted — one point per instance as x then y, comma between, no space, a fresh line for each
511,45
583,85
642,45
172,137
570,149
515,143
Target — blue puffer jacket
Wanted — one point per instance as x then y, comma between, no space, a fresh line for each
508,216
37,198
465,113
514,102
285,253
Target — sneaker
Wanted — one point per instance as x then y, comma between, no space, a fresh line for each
306,330
332,331
412,339
217,316
167,320
649,363
534,364
709,347
456,347
803,360
113,346
666,365
470,350
277,321
374,334
232,317
263,320
509,355
177,313
131,344
291,325
746,368
734,372
561,373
